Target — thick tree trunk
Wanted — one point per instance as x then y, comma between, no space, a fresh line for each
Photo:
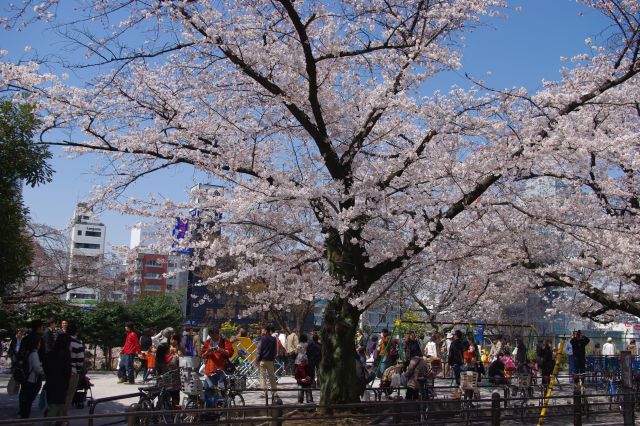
338,382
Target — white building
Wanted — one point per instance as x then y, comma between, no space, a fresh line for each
86,254
87,234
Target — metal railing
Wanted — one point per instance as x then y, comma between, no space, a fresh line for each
572,409
504,404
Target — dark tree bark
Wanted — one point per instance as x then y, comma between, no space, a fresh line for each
338,379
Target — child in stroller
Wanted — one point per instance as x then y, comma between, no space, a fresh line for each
83,391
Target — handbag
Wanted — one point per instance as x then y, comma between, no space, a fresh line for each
13,387
42,401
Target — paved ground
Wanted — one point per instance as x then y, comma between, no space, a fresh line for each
105,385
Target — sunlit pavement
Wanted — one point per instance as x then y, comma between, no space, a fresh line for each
105,385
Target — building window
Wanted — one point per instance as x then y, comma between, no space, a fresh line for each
116,296
83,296
79,232
86,246
152,287
169,287
93,234
153,263
152,276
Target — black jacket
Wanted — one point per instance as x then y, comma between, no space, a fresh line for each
455,352
546,366
314,353
579,348
412,348
57,370
496,369
49,338
521,355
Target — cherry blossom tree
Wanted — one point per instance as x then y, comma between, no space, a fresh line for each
342,179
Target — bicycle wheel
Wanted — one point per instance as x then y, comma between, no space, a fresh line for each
145,404
192,403
164,404
234,417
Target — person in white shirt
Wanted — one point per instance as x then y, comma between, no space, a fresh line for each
431,348
609,348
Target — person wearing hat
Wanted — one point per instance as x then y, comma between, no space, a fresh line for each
609,348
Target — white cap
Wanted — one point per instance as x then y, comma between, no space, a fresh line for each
609,339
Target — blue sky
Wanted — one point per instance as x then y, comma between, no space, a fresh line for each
521,50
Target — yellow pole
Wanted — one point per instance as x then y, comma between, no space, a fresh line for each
552,379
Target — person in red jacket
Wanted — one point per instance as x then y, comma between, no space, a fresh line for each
130,349
215,352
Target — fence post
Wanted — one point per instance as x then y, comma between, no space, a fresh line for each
495,408
627,389
276,412
132,419
577,407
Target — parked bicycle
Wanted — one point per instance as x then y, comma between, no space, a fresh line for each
222,402
469,392
158,398
522,391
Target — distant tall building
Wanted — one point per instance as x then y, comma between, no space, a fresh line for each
86,255
88,235
153,272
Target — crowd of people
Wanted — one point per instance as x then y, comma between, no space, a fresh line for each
55,356
402,361
161,353
50,361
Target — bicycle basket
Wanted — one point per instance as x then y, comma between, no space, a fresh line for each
237,383
193,386
469,380
170,380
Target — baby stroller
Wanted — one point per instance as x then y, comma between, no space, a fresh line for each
83,392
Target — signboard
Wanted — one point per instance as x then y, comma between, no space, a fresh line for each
245,348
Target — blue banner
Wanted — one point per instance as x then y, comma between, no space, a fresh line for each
480,333
180,232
